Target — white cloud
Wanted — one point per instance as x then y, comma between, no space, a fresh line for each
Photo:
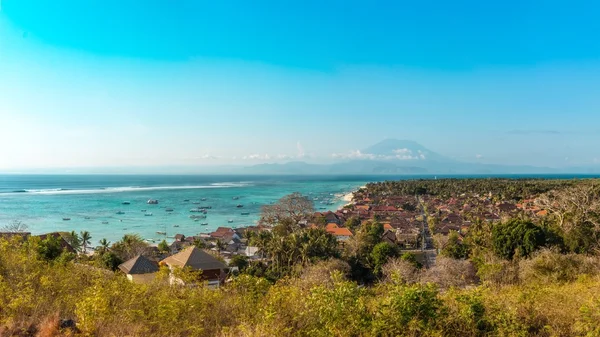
399,154
478,156
257,156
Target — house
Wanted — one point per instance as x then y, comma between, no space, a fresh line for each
331,217
224,234
140,269
251,251
178,246
331,226
507,207
213,270
342,234
389,236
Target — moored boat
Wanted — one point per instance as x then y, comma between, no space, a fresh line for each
152,202
66,219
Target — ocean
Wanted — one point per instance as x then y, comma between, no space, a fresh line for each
95,203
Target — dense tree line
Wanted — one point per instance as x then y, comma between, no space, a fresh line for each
503,189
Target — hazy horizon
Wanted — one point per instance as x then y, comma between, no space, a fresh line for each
142,85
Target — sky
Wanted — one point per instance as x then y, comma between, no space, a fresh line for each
158,83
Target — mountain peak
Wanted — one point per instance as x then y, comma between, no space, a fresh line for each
402,149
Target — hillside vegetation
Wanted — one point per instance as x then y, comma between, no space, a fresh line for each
519,276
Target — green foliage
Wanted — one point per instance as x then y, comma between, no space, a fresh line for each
85,239
163,246
408,310
129,246
516,236
110,260
412,259
352,223
455,248
73,239
380,255
239,261
49,248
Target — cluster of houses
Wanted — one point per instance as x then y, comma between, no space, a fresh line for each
403,219
402,216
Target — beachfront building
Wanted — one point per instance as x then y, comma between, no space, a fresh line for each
139,269
213,270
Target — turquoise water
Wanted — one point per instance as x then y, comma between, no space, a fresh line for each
41,202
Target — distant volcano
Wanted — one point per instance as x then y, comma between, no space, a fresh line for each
394,149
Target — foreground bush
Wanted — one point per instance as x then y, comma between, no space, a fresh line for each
37,297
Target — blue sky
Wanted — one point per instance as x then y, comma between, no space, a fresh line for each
134,83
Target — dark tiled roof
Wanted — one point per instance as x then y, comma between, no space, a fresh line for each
139,265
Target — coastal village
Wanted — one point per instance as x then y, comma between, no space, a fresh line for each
409,222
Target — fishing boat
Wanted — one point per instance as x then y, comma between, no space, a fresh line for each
87,217
169,210
204,224
197,216
104,222
161,232
239,206
186,200
120,212
126,203
195,210
175,225
245,213
152,202
203,199
148,214
66,219
235,198
143,210
230,221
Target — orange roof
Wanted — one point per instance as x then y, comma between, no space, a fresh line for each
387,226
542,213
340,231
331,226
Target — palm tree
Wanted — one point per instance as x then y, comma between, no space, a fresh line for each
221,245
86,238
73,240
104,244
